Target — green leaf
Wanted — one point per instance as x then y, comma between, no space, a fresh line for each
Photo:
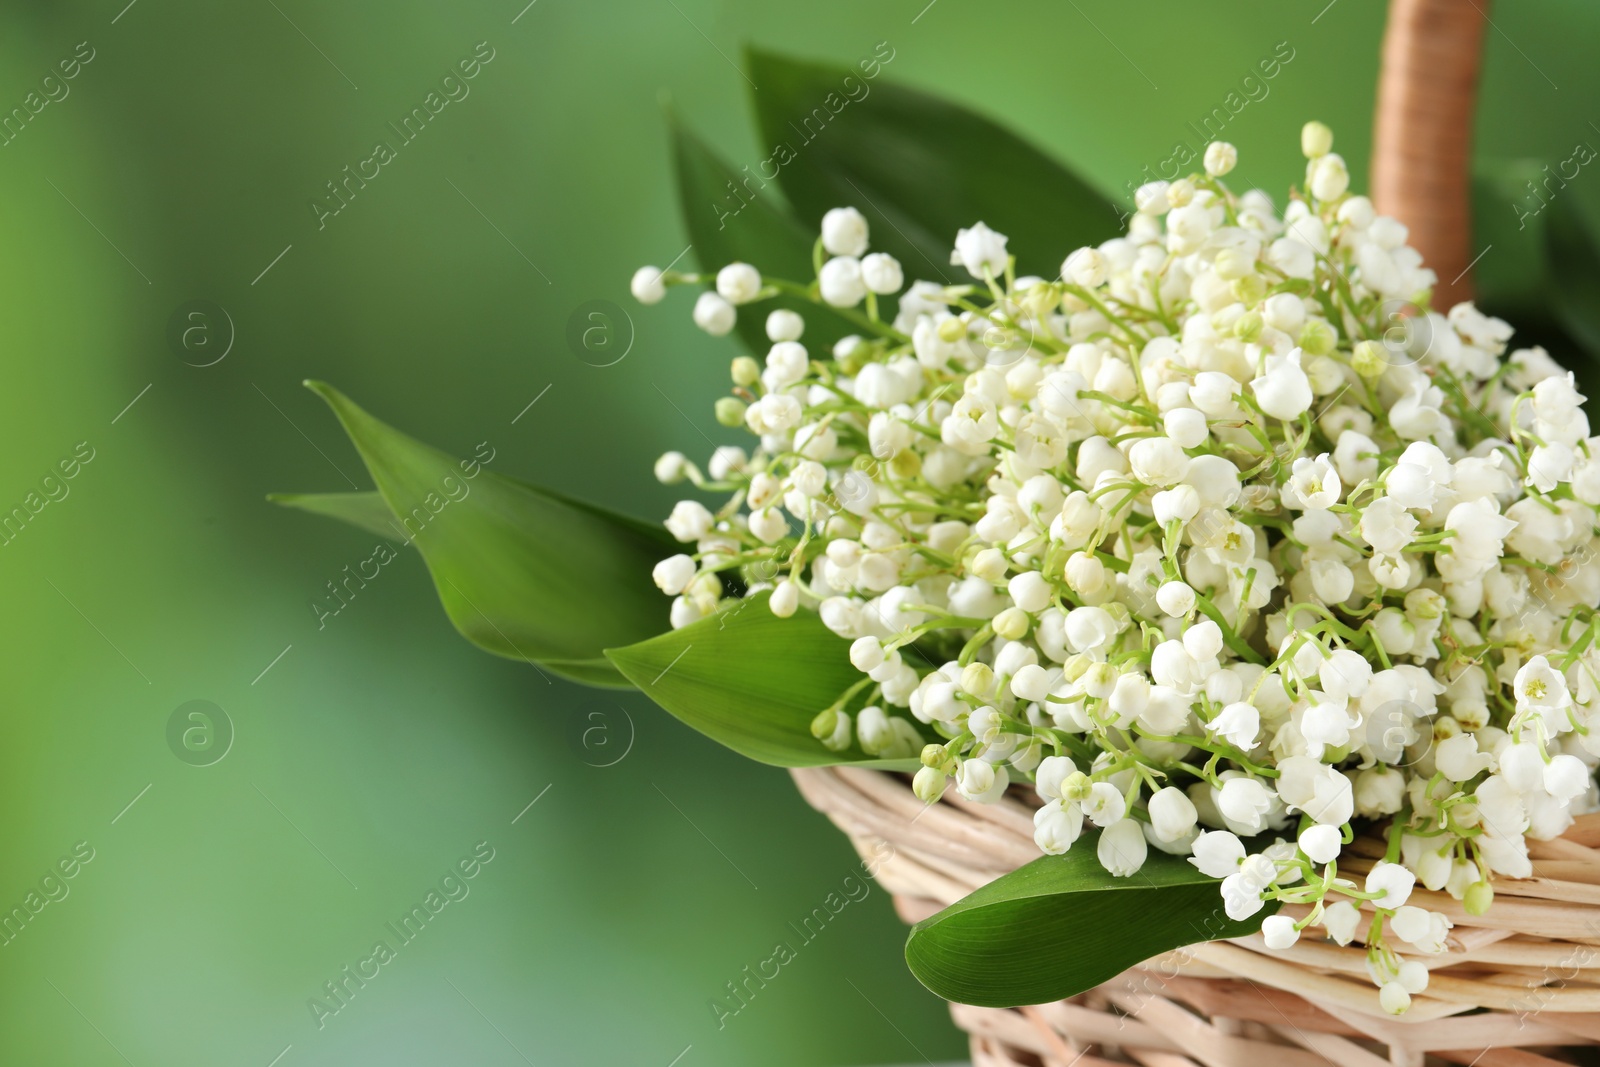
1511,274
1574,275
751,681
522,572
365,510
918,167
1062,924
597,672
728,223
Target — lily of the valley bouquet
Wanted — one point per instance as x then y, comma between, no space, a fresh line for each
1246,564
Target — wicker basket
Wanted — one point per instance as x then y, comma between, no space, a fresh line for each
1525,976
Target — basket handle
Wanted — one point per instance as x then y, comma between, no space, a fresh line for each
1422,132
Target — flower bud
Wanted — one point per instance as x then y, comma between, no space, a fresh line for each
1325,374
866,654
1369,359
1315,140
1329,177
689,521
981,250
990,565
935,756
1247,327
929,784
1321,843
1099,680
1031,591
730,411
840,282
745,371
1076,786
1186,426
832,728
1151,198
874,731
905,464
683,612
714,315
738,283
1394,631
1233,264
647,285
978,679
671,468
975,778
1122,848
844,232
1011,624
785,325
882,274
1220,158
1086,267
1175,598
673,575
1085,574
1172,813
1279,932
1478,898
1250,289
1394,999
1317,338
785,599
1178,504
1075,666
1341,919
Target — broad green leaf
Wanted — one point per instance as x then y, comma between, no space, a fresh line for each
1062,924
365,510
1574,272
751,681
523,572
1511,274
1536,264
918,167
596,672
730,221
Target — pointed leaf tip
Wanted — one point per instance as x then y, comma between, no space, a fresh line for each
522,571
1062,925
751,681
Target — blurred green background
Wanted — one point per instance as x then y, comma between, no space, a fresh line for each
372,753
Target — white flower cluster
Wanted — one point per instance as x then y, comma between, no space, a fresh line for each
1220,538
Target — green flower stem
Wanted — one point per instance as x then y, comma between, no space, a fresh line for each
1240,647
1219,748
851,314
984,635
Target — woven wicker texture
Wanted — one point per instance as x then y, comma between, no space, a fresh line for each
1422,132
1525,976
1516,986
